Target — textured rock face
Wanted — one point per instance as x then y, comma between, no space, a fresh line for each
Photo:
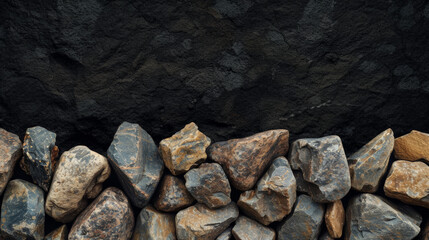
209,185
199,222
412,146
274,195
334,218
109,217
324,167
408,182
172,195
248,229
185,149
369,163
58,234
79,176
135,159
10,152
22,211
153,225
245,159
226,235
368,215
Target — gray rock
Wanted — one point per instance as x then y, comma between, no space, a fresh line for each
248,229
10,152
226,235
153,225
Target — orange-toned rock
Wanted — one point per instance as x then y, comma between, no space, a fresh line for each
10,152
185,149
408,182
334,218
58,234
172,195
248,229
412,146
153,225
244,160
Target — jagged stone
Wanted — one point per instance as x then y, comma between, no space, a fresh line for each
10,152
226,235
136,161
153,225
173,195
58,234
412,146
334,218
248,229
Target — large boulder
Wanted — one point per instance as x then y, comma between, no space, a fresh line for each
10,152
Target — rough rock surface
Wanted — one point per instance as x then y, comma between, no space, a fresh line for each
10,152
274,195
22,211
199,222
408,182
172,195
209,185
335,217
79,176
373,217
108,217
153,225
305,221
185,149
244,160
412,146
58,234
369,164
248,229
135,159
226,235
324,167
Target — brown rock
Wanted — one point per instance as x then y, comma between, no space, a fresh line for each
334,218
173,195
153,225
244,160
247,229
412,146
185,149
58,234
408,182
79,176
10,152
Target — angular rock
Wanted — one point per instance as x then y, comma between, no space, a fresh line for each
305,222
324,167
373,217
185,149
274,195
408,182
334,218
136,161
58,234
209,185
172,195
22,211
153,225
245,159
39,152
10,152
108,217
199,222
226,235
79,176
369,163
248,229
301,184
412,146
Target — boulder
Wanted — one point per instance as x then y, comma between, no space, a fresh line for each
58,234
10,152
334,219
412,146
153,225
248,229
172,195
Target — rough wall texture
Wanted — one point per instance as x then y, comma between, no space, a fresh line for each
315,67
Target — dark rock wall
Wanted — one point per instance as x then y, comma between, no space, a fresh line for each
315,67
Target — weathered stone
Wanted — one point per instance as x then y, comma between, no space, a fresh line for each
334,218
248,229
58,234
172,195
136,161
153,225
274,195
185,149
79,176
109,217
325,236
324,167
208,184
412,146
408,182
305,221
22,212
10,152
39,152
199,222
244,160
226,235
369,163
372,217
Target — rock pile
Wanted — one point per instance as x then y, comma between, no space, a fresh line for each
188,188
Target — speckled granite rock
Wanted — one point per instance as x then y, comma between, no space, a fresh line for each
136,161
248,229
304,222
334,219
209,185
199,222
22,211
172,195
10,152
324,167
369,163
185,149
153,225
408,182
79,176
372,217
108,217
274,195
412,146
58,234
244,160
226,235
39,153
